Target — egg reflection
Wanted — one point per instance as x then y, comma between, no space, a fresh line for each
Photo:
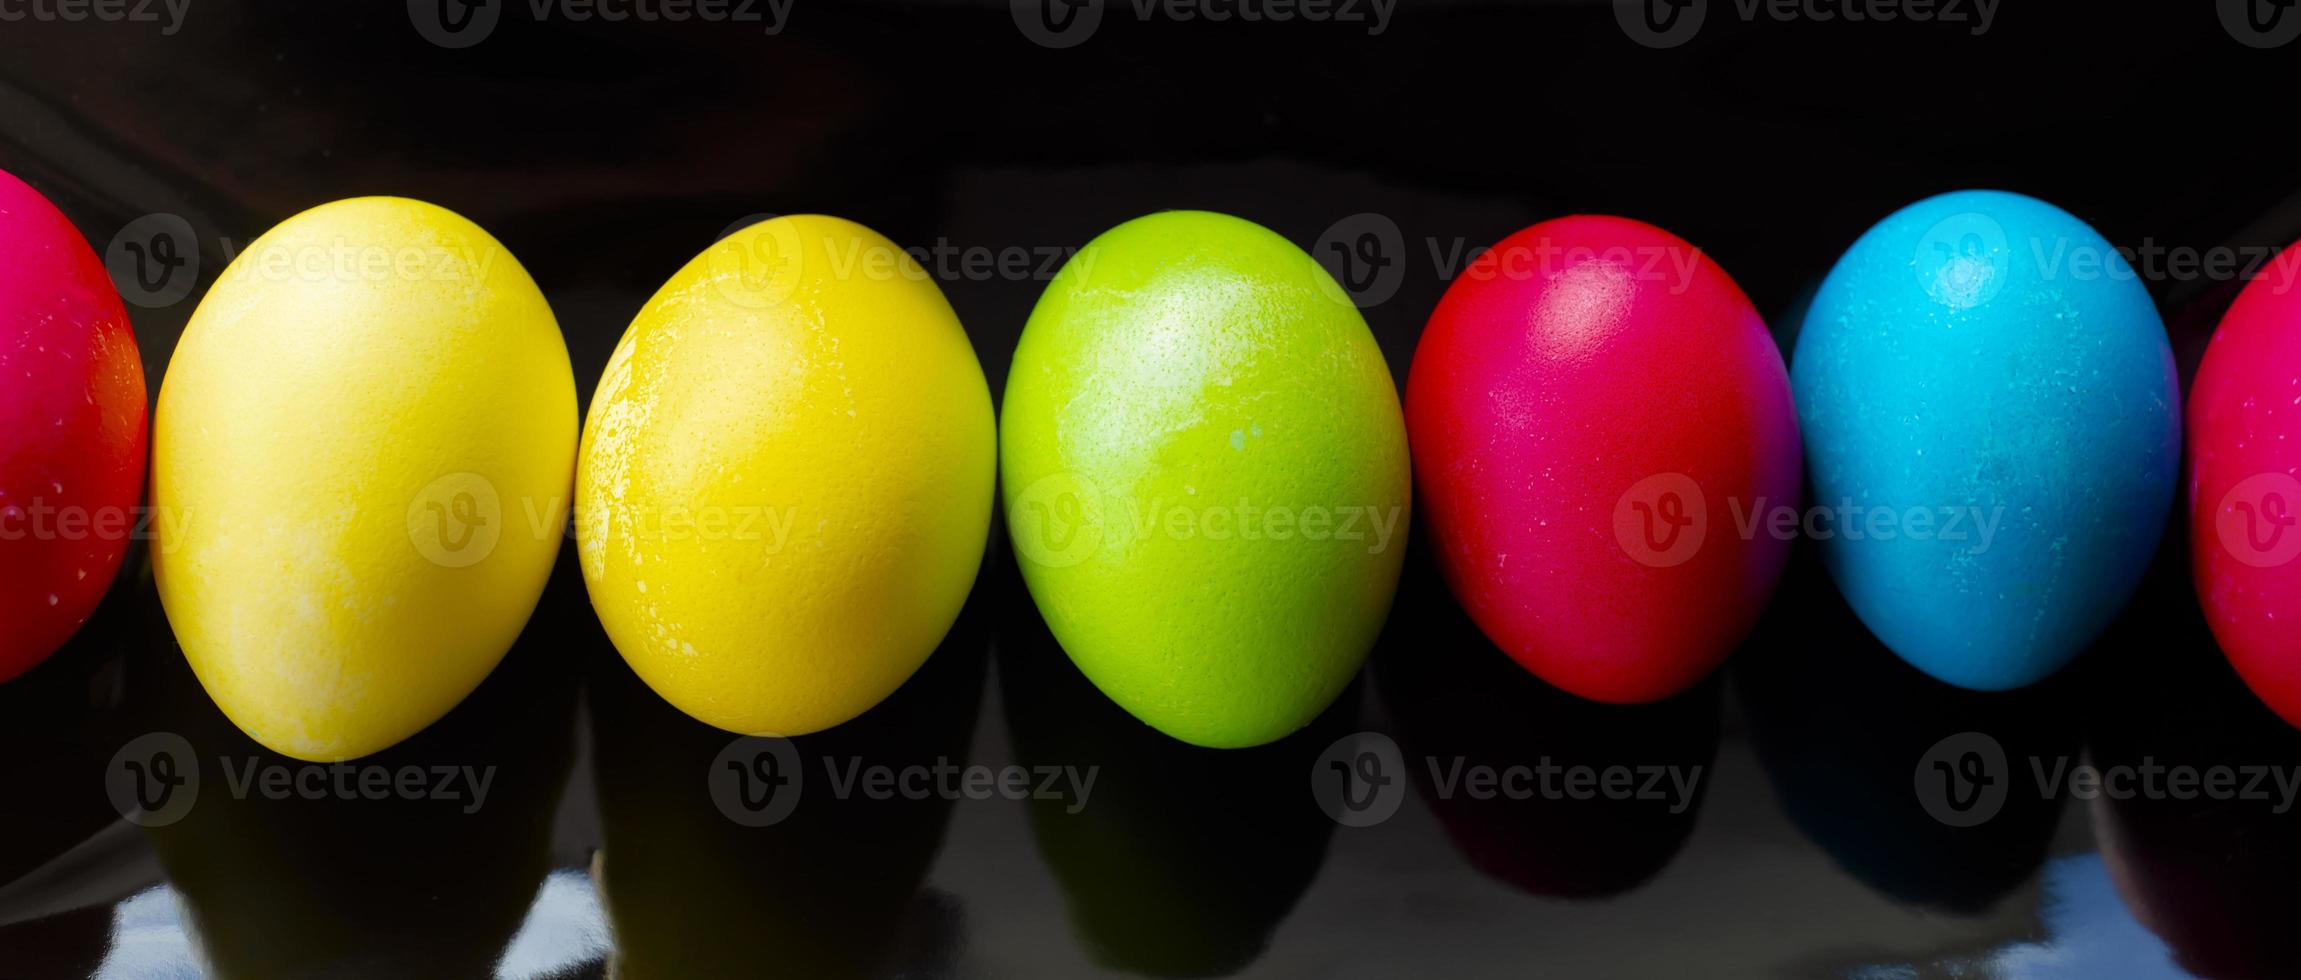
1460,705
2211,876
1184,859
1840,726
764,879
59,824
421,860
59,721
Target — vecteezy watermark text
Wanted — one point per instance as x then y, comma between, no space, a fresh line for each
464,23
1069,23
1965,260
757,781
1359,781
169,14
1964,780
1062,519
763,268
155,779
39,519
1669,23
1368,256
1663,520
155,261
1671,786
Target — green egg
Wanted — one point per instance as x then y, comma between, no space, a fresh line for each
1205,476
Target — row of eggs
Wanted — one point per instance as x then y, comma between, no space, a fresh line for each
360,467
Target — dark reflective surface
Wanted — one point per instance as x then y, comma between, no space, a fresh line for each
1463,710
602,848
2211,877
606,154
291,869
1182,860
1840,724
833,888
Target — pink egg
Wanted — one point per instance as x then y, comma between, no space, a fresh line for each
2245,485
72,428
1602,435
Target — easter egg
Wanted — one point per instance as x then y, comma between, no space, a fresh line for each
1992,427
1604,439
784,490
1205,476
72,429
361,463
2245,485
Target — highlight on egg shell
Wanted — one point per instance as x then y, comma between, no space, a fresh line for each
1205,476
2245,485
363,453
1990,406
72,429
1603,438
785,486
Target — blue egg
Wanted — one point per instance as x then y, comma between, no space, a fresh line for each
1993,430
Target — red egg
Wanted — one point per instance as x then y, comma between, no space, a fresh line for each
72,429
2245,485
1606,455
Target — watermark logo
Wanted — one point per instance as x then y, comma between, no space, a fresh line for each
1360,780
1669,23
1660,23
2259,23
457,24
154,260
1661,520
454,24
1061,519
1965,260
756,780
2256,517
758,269
1962,260
1057,24
1058,520
1962,780
1364,254
1069,23
756,262
456,520
154,779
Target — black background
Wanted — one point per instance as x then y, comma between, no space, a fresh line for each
605,155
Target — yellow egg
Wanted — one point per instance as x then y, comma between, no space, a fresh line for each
785,483
360,463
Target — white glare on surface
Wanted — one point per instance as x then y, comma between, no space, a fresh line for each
149,940
565,929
